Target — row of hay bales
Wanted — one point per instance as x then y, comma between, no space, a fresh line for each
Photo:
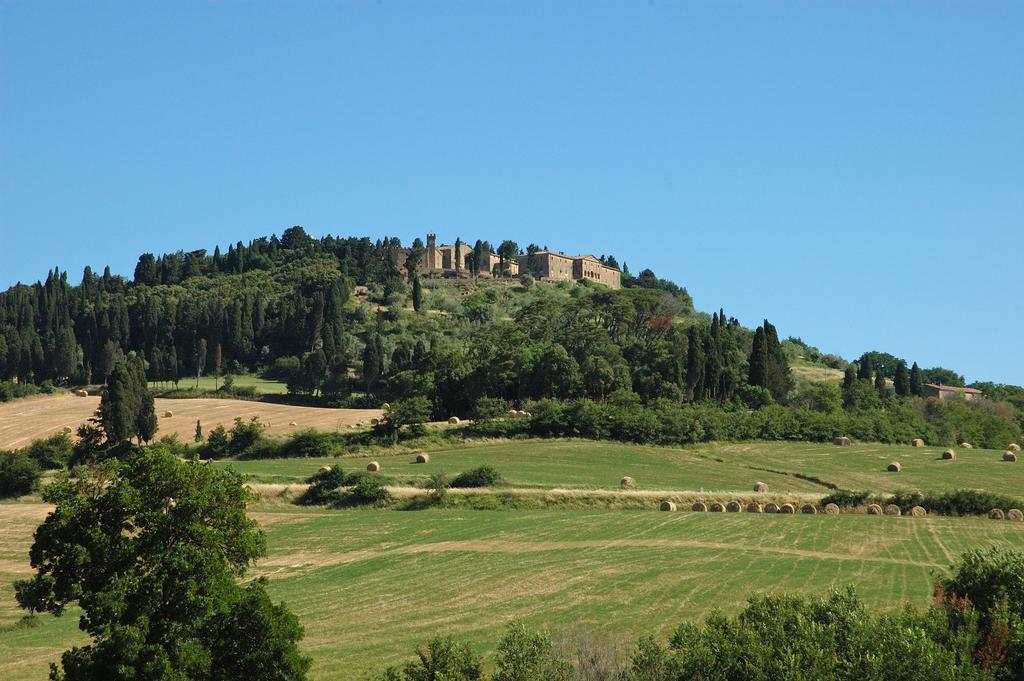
752,507
1009,456
517,413
1014,514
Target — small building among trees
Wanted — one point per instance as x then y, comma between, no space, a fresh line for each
949,392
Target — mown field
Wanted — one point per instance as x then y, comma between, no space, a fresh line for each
712,467
264,386
369,585
22,421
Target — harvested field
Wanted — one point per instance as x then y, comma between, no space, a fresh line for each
22,421
355,578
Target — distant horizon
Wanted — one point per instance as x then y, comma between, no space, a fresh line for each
851,172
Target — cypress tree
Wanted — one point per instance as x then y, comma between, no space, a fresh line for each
371,362
880,384
694,365
849,376
901,382
456,256
199,432
916,383
758,373
417,293
865,369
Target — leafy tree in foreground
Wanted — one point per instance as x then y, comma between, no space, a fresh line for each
150,550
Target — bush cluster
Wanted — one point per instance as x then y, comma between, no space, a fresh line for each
482,476
19,474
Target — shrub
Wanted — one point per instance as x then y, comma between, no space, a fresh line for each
482,476
442,659
368,490
844,498
19,474
51,452
489,408
310,443
323,487
218,443
245,436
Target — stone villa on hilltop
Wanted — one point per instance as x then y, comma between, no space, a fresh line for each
544,265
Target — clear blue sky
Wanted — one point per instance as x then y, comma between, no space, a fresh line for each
854,171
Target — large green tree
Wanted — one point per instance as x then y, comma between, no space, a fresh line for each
149,550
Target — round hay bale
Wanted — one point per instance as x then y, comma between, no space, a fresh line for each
966,445
610,417
892,509
917,442
526,413
81,393
788,509
325,468
771,507
373,466
754,507
699,507
292,423
1014,447
1015,515
1009,456
67,430
949,455
374,421
453,420
874,509
716,507
668,506
168,414
760,487
513,412
809,509
385,406
423,457
627,482
996,514
831,509
893,467
842,442
734,507
918,512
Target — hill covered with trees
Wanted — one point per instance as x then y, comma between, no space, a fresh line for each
342,322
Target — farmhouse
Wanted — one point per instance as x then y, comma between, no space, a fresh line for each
551,266
948,392
545,265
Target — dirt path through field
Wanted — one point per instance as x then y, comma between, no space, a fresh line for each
22,421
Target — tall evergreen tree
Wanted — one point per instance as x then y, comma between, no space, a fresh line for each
694,365
880,385
758,362
457,256
916,382
371,362
901,381
849,376
865,369
417,293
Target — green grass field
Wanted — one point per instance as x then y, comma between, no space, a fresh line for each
713,467
263,386
369,585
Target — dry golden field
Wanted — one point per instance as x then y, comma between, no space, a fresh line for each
22,421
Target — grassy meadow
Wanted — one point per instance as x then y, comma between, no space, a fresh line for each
713,467
369,585
264,386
